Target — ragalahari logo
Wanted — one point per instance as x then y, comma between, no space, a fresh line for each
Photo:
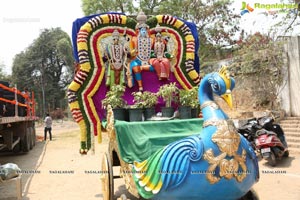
246,8
270,8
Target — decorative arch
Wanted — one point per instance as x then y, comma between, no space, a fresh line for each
88,88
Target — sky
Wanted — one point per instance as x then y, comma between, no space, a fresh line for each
22,20
262,19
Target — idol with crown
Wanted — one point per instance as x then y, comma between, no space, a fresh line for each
161,60
149,52
141,50
115,56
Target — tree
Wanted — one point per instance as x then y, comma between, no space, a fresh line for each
46,67
3,75
217,24
90,7
258,63
285,21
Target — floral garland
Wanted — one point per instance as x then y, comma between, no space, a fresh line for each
88,78
91,72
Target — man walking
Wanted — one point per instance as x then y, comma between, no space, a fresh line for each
48,126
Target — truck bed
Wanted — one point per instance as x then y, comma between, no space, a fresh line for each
5,120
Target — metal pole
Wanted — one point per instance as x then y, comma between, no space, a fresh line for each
16,99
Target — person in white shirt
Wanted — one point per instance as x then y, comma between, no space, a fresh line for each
48,126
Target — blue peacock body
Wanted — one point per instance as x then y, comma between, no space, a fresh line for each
217,163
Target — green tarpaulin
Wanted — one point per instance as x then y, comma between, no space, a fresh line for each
139,140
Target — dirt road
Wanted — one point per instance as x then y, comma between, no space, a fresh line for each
55,170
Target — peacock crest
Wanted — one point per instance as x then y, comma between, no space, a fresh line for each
224,73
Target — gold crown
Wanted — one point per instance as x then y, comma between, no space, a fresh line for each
224,73
116,34
141,17
158,29
158,34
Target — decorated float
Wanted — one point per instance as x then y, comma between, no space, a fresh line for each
119,59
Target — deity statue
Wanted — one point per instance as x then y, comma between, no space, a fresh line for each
116,55
161,62
141,52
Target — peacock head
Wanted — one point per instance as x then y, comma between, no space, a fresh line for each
222,84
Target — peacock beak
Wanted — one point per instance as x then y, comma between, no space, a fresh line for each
228,98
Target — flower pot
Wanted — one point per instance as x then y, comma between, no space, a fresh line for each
149,112
119,114
167,111
195,112
135,114
185,112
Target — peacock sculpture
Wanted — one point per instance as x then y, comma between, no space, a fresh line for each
217,163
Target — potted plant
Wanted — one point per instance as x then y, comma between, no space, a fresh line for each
185,101
144,101
194,102
114,97
169,94
136,110
149,100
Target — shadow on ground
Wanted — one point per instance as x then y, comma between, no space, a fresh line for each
283,163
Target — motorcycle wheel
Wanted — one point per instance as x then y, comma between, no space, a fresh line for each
272,159
286,154
251,195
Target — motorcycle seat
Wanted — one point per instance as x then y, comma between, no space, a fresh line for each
264,131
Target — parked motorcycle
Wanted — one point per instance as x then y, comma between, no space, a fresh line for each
248,130
270,140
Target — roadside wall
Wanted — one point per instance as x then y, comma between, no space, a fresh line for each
290,95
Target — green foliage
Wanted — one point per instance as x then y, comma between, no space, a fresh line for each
184,97
46,66
149,99
189,97
3,75
138,102
21,74
261,59
152,22
194,96
216,23
169,93
130,23
144,99
151,7
114,97
90,7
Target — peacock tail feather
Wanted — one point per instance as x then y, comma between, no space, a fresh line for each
147,176
168,167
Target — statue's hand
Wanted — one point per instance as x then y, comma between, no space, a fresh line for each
133,52
104,58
